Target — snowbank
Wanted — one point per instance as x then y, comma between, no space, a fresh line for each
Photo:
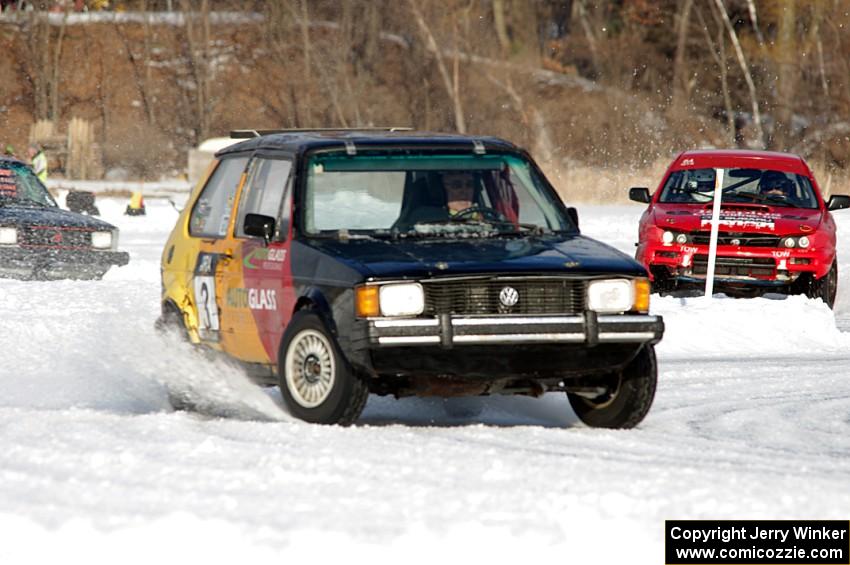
756,327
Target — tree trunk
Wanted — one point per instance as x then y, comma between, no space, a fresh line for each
57,57
788,71
748,77
501,27
718,53
451,88
680,75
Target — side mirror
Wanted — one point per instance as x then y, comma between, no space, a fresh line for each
838,202
259,226
639,194
573,214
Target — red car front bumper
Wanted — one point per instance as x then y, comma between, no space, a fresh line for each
734,264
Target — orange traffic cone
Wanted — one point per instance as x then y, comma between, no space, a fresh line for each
136,207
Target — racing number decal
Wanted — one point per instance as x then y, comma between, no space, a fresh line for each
204,287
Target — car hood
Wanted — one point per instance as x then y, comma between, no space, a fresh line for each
415,258
745,218
27,216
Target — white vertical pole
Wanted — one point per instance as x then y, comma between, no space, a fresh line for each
715,227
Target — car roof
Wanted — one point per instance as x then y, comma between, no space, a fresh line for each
5,159
740,158
304,140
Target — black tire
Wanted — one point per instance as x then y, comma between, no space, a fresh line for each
629,397
171,322
825,287
316,381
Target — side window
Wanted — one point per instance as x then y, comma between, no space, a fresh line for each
212,211
264,190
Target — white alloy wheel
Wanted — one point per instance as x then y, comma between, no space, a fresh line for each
310,369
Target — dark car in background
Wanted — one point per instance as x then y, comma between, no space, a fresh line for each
41,241
405,263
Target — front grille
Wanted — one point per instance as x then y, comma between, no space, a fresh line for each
54,237
743,239
481,296
735,266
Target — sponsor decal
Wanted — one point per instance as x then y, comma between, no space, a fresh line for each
741,218
686,163
264,258
781,254
253,298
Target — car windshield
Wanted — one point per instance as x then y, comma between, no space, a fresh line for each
430,195
19,186
760,186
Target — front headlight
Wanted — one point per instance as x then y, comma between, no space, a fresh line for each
101,239
405,299
803,242
789,242
395,299
610,296
8,236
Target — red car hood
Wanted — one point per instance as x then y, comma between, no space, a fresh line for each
744,218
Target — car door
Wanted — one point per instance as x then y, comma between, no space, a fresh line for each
210,226
257,281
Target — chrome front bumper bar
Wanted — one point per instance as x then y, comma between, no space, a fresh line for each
448,331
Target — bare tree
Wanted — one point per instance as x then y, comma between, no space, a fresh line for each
788,73
42,64
718,53
742,62
680,79
452,86
198,55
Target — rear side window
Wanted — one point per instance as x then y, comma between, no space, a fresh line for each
212,211
264,190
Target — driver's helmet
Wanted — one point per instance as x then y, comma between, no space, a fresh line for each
701,180
776,184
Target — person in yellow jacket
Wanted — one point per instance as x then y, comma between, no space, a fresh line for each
39,162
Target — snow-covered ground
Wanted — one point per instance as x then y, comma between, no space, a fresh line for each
751,420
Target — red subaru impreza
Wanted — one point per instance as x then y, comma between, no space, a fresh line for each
776,233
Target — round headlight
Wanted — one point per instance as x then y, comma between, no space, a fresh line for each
789,242
803,242
667,237
682,238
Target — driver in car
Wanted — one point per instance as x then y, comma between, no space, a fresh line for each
778,188
460,190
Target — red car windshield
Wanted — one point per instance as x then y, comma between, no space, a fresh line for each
760,186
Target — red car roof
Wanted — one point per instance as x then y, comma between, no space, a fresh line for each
740,158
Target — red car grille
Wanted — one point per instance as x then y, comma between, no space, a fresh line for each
54,237
736,266
740,239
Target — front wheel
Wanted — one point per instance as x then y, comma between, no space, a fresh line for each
627,397
825,287
315,380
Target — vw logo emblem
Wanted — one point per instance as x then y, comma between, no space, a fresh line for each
509,296
736,242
